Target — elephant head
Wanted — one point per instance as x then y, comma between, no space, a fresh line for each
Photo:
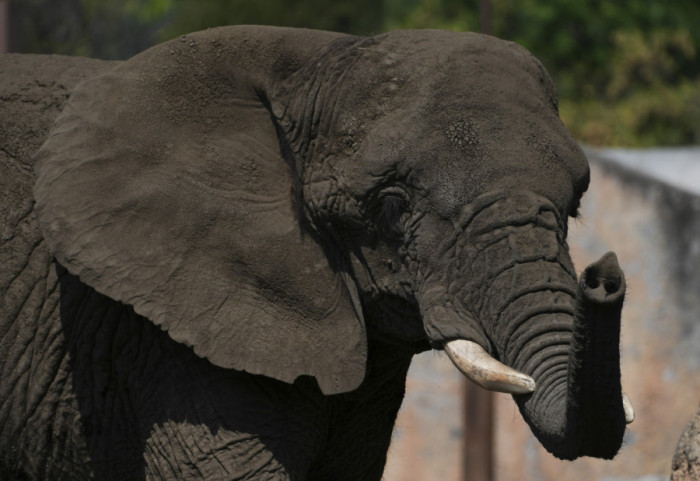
275,197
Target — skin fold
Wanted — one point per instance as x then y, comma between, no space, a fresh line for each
228,248
686,459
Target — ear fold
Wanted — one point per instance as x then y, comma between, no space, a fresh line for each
162,186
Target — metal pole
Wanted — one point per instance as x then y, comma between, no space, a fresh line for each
486,16
478,433
4,26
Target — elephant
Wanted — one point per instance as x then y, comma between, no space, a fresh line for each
226,250
686,460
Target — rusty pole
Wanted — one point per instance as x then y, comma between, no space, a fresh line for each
4,26
478,403
478,433
486,16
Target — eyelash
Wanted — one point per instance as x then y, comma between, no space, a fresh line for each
390,211
575,210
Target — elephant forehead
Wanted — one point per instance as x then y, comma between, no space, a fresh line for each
456,154
453,178
409,67
457,114
419,71
469,87
498,136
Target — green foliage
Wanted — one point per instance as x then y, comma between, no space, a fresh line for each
147,11
33,27
579,40
456,15
357,16
649,60
628,72
663,115
651,96
109,29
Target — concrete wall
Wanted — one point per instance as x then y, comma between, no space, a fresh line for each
646,207
427,443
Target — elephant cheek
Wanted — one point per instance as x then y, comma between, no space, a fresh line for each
445,321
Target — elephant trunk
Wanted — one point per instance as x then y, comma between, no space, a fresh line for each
558,333
577,406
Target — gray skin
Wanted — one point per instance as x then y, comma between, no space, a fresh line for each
241,237
686,460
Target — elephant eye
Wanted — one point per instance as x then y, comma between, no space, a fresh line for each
392,206
575,208
580,188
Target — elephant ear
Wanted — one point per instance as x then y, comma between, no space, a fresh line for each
162,185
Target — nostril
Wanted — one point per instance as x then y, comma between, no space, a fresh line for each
603,281
611,287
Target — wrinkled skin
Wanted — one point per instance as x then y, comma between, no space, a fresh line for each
686,460
241,237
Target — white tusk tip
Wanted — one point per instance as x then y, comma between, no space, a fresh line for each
478,365
627,406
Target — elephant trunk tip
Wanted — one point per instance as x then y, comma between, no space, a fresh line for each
603,282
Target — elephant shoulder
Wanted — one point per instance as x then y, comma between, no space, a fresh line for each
33,90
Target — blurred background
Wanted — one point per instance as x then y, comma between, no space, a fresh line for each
628,72
628,75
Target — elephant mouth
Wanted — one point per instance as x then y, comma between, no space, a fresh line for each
394,320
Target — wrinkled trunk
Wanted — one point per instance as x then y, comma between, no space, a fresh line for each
576,409
520,289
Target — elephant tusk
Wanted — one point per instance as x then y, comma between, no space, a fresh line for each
627,406
475,363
